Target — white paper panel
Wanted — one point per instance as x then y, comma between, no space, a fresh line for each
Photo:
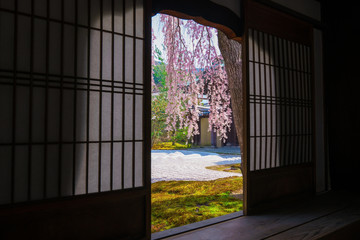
262,80
81,115
129,117
252,119
260,40
93,167
139,117
118,98
257,155
106,56
256,45
95,13
252,156
268,80
94,113
95,54
278,115
118,58
128,165
105,167
129,17
61,61
256,79
251,80
264,153
139,11
118,16
107,15
117,166
139,59
106,117
139,164
129,56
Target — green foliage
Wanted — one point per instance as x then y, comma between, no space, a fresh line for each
159,101
158,107
177,203
180,136
158,118
159,71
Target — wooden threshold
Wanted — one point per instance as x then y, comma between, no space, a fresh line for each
318,217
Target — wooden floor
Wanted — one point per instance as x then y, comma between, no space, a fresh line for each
334,215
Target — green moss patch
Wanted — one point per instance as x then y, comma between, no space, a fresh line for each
177,203
235,168
170,146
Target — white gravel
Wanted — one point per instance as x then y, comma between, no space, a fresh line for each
167,165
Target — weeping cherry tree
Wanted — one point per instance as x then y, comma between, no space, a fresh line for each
194,68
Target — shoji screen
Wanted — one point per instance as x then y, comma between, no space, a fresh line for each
280,101
280,146
71,98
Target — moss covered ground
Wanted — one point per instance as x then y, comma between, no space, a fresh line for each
170,146
235,168
177,203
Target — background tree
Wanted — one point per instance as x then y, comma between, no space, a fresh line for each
159,105
159,99
158,118
159,70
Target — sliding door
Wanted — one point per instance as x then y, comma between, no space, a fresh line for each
74,119
279,102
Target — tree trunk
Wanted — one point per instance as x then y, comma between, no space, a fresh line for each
231,52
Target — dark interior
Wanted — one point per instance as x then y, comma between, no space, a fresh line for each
124,212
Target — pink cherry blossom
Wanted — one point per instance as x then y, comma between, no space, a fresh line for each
194,70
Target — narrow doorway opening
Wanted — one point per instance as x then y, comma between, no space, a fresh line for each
196,163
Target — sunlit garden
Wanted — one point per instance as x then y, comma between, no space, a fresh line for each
196,167
177,203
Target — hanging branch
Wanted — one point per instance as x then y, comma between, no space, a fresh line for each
194,70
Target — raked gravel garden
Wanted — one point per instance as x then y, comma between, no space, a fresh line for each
189,165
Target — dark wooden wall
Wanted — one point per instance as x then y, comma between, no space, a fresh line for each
341,73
